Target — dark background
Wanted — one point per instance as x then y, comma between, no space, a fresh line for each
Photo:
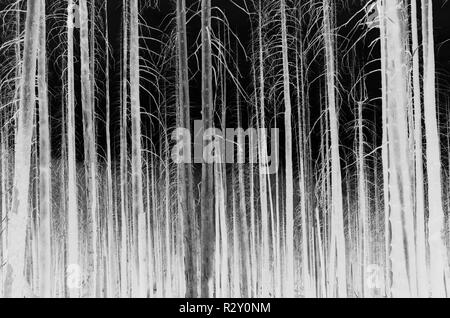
160,19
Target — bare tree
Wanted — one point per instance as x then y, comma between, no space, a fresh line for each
185,171
15,282
207,202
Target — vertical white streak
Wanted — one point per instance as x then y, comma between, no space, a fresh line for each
338,245
136,157
15,283
44,169
289,165
421,255
433,153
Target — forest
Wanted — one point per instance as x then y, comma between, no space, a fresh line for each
224,149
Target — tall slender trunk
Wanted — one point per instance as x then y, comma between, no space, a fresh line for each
207,203
438,258
168,221
72,197
15,282
302,159
243,229
385,150
400,197
362,197
44,169
89,148
112,290
252,151
262,146
124,251
289,164
221,199
185,171
338,245
136,154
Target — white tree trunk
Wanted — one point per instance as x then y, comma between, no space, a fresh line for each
207,203
72,197
338,273
262,146
401,218
45,268
90,149
136,156
438,256
186,188
289,285
124,250
15,282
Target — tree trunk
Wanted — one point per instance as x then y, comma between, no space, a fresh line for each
15,282
207,203
289,165
262,146
362,197
136,154
400,197
72,197
338,246
185,171
124,250
438,254
243,229
89,149
45,269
